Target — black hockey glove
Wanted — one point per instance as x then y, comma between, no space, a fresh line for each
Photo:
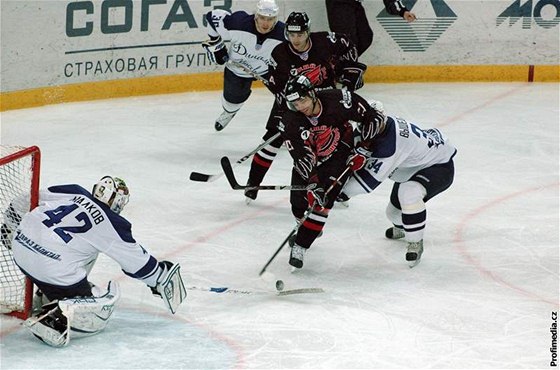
216,49
316,197
352,75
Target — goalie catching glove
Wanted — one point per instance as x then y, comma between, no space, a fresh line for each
216,50
352,75
170,286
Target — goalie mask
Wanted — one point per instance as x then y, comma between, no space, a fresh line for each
298,88
112,191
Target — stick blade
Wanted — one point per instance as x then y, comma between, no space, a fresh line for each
228,171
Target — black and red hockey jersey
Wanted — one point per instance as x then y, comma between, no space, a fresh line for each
320,63
326,140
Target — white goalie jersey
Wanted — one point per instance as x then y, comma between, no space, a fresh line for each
59,240
247,46
400,152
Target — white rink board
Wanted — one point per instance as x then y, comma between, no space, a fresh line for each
58,42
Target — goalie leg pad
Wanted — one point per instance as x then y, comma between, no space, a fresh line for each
90,315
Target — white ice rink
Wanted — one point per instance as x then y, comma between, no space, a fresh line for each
482,297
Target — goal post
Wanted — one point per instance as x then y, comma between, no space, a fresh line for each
19,193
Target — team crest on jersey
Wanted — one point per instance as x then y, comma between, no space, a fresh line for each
305,134
325,139
316,74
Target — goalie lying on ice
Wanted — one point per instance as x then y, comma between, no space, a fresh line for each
56,246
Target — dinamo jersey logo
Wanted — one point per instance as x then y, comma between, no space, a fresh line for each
423,32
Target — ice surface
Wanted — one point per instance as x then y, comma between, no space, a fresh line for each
482,297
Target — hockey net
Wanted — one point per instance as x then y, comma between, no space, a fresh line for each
19,191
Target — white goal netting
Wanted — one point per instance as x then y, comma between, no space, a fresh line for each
19,181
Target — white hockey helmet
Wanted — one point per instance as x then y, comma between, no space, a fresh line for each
267,8
112,191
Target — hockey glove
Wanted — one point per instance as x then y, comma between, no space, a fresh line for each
356,161
352,75
170,286
216,50
316,197
374,125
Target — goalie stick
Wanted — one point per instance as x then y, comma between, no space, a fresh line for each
225,290
228,171
305,215
202,177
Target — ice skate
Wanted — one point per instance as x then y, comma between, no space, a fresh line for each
414,252
343,200
394,233
296,256
250,195
223,120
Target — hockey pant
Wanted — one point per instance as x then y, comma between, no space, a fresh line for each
236,91
407,206
313,225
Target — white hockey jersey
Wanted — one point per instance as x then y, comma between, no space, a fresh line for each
401,151
57,241
248,47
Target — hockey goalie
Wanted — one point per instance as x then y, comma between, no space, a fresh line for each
56,246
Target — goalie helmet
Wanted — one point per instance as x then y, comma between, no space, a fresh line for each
297,88
267,8
112,191
297,22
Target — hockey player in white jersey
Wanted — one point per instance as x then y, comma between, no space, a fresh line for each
252,38
57,244
420,162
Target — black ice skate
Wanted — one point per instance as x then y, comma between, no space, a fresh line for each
394,233
296,256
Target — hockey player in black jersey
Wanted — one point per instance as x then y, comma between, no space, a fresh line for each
320,139
325,58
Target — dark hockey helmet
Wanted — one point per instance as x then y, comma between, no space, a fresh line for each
297,22
296,88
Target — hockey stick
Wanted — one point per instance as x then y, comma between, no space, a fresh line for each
228,171
249,71
251,292
305,215
197,176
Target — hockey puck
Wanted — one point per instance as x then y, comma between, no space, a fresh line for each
279,285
